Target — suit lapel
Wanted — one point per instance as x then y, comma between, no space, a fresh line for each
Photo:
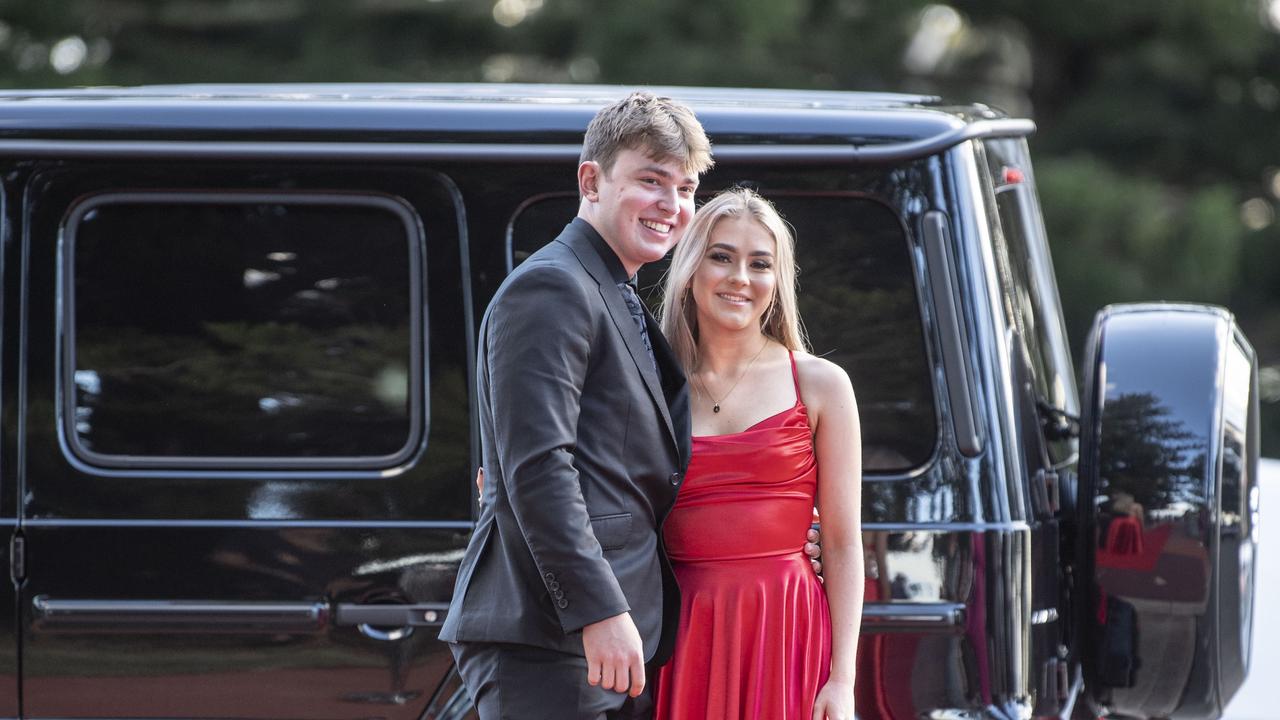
625,326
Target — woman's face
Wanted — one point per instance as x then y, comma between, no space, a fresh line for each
734,283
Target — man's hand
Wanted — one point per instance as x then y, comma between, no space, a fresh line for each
813,548
615,654
480,486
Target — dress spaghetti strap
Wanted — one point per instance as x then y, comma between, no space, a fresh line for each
795,376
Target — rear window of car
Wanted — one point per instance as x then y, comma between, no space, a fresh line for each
858,301
243,329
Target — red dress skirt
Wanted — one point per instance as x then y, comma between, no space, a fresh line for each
755,631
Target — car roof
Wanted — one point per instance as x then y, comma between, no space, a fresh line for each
479,111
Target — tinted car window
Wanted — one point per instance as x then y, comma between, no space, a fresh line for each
216,327
1020,307
1028,308
858,301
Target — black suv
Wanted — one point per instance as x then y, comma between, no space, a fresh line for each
237,442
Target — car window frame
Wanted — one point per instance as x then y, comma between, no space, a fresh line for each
419,401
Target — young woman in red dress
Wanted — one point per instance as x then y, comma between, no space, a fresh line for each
775,429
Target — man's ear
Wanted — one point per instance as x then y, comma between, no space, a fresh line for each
589,180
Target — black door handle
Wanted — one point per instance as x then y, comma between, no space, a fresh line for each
372,619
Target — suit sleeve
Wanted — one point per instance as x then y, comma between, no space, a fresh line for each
538,343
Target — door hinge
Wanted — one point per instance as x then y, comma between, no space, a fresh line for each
18,558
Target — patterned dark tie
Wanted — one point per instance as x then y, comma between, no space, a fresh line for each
637,314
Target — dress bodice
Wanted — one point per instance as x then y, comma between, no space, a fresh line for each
747,494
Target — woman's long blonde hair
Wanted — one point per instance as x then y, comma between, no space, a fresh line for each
679,317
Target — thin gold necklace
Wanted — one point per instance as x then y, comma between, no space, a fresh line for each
715,407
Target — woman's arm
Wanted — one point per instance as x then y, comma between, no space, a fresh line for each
838,446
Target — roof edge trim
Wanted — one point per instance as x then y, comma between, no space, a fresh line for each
874,153
826,154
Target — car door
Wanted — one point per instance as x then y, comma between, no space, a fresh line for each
247,449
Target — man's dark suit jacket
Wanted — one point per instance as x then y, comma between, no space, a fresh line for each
584,448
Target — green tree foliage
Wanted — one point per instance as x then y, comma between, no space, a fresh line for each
1124,238
1157,154
1158,144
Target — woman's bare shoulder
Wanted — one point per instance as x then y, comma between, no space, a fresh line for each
819,371
820,379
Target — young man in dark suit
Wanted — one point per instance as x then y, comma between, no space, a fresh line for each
565,592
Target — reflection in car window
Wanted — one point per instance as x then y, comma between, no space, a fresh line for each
857,298
1030,309
210,327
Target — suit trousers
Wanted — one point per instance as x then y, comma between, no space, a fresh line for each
522,682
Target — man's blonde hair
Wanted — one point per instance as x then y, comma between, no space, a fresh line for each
657,126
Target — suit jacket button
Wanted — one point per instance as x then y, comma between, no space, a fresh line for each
553,585
675,478
550,577
558,593
562,603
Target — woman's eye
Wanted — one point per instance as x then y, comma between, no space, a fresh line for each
762,265
719,257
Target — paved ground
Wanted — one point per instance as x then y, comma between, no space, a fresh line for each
1257,699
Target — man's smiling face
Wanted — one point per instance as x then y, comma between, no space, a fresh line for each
641,207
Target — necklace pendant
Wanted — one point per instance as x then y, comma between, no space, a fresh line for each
715,408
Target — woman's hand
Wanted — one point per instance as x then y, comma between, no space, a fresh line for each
835,701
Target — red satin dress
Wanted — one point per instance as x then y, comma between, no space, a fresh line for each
755,632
